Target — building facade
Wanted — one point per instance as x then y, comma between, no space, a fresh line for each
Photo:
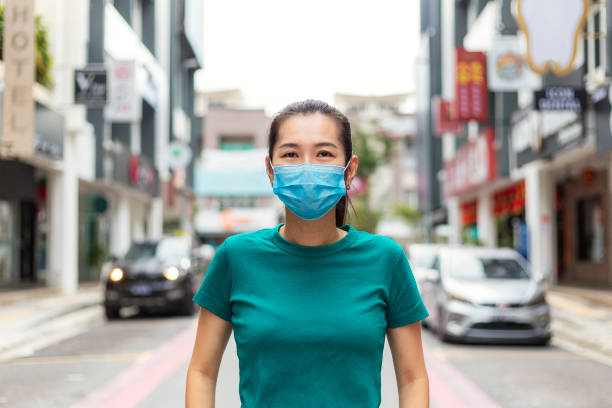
533,172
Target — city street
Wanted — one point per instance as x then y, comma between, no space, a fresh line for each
141,361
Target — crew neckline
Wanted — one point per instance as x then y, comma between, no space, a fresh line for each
314,251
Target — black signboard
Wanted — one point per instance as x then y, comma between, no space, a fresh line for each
90,86
560,98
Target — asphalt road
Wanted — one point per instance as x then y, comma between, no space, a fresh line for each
141,361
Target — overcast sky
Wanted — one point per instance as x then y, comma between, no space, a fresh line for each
280,51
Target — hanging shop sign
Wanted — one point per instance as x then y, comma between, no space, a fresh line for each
510,200
560,98
552,35
124,104
90,86
603,119
18,55
473,166
507,69
544,134
471,94
179,155
445,120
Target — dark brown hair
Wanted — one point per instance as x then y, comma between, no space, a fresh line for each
308,107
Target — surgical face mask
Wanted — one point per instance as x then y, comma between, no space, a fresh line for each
309,190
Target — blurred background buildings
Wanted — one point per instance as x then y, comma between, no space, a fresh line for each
528,165
99,177
484,151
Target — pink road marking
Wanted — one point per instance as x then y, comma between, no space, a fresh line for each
135,383
450,388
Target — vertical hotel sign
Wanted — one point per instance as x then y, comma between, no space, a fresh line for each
18,103
471,92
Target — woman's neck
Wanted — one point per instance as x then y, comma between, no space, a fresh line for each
322,231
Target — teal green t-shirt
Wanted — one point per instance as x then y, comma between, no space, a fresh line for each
310,322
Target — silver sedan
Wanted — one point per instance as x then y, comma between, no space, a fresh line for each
485,294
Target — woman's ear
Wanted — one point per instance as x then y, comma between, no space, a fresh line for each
352,169
269,170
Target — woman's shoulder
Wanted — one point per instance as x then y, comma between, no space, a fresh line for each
378,242
248,239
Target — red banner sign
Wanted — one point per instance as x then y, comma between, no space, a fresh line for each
445,119
471,97
473,166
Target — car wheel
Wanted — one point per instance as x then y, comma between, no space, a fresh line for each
441,326
112,313
543,342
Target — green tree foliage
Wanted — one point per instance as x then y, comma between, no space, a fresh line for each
42,58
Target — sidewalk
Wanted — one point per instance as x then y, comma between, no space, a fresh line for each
582,320
33,318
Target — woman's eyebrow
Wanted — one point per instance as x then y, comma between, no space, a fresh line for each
326,144
288,145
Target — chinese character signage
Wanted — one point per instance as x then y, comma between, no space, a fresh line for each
471,86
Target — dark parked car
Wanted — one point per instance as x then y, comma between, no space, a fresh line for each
155,275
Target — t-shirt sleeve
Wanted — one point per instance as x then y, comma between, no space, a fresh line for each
405,303
214,292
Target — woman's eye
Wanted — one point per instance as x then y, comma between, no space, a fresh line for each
325,154
289,154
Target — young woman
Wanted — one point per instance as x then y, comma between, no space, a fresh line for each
310,300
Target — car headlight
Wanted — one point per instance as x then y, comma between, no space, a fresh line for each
459,298
172,273
116,274
539,299
185,263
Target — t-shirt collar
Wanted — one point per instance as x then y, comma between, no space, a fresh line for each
314,251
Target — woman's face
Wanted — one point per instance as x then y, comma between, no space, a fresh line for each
312,138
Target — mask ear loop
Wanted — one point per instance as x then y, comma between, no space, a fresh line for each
348,186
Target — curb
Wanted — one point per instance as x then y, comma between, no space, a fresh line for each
51,328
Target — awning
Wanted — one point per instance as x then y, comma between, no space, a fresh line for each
236,173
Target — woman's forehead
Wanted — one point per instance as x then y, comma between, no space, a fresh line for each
310,128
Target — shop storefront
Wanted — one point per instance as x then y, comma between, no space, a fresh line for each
469,222
583,217
510,221
24,220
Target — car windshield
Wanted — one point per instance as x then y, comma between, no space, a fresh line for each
172,249
141,250
464,266
168,250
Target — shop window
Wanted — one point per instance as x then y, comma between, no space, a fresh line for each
591,229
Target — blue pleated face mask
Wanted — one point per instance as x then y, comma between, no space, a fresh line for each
309,190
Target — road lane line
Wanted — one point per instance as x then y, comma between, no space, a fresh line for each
450,388
134,384
79,358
